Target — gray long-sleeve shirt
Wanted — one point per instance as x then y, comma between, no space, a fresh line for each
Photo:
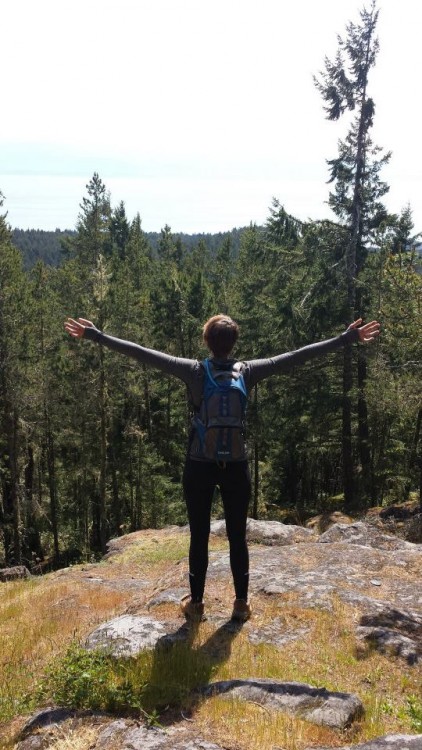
191,371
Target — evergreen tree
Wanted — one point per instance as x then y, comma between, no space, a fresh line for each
93,227
119,229
356,201
13,381
85,279
282,229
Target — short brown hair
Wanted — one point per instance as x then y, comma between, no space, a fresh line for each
220,334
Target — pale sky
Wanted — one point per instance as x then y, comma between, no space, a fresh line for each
195,113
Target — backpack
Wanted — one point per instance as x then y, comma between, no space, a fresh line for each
219,423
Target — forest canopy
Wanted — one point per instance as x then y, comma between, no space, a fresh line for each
92,445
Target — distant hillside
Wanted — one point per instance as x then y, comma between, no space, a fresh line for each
37,244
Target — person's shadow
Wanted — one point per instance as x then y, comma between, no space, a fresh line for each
180,669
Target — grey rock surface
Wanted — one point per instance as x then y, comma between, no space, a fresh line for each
170,595
49,716
389,742
129,635
317,705
392,631
34,742
405,621
122,733
131,737
365,534
126,635
389,641
315,572
269,532
13,574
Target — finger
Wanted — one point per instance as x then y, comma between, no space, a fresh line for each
372,331
355,323
74,330
85,322
370,337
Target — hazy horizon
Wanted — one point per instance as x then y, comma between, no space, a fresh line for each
195,115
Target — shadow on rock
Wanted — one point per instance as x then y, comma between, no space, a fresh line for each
391,632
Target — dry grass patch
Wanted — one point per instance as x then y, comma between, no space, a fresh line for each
251,726
326,657
77,738
154,548
38,619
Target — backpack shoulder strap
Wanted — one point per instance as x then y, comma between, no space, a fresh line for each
207,367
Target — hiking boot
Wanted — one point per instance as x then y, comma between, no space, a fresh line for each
241,610
193,611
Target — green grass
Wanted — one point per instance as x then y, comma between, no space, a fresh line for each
146,684
414,709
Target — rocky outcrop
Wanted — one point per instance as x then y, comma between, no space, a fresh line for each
318,705
324,521
389,742
149,738
13,574
126,635
269,532
393,632
362,533
127,734
124,734
356,563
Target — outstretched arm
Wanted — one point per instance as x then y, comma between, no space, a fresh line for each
180,367
263,368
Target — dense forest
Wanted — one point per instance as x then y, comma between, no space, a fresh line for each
92,445
39,244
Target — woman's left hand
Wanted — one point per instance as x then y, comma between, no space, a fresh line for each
76,328
368,332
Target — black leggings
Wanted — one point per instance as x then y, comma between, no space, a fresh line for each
200,479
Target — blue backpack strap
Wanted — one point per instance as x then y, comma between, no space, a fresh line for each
211,378
239,381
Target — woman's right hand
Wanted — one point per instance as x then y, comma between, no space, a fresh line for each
76,328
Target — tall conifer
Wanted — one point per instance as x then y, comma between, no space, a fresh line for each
356,201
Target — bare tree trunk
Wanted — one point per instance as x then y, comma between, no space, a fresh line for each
147,405
103,458
52,487
363,432
347,451
256,458
116,509
414,458
138,493
11,504
32,548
